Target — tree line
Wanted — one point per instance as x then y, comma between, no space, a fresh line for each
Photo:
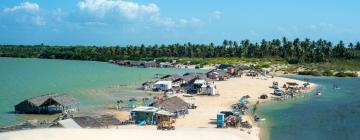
293,51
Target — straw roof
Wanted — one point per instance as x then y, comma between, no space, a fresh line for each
173,104
171,77
62,99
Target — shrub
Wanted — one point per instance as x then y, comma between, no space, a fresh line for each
346,74
313,73
265,66
328,73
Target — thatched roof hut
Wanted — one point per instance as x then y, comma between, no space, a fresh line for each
174,105
171,77
50,103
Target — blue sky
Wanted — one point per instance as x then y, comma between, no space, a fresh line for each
122,22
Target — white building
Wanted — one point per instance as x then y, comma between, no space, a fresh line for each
206,87
162,85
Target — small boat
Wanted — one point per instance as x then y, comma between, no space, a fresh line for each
318,93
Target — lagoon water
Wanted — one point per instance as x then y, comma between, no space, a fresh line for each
333,116
94,84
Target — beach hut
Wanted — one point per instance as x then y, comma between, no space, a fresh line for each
174,105
48,104
163,85
174,78
166,65
210,90
144,115
150,64
147,85
231,70
163,115
217,75
224,66
252,74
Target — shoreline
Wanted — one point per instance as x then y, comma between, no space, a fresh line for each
264,132
230,92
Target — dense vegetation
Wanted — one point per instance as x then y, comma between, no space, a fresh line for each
294,52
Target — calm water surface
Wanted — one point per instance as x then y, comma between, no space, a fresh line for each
333,116
94,84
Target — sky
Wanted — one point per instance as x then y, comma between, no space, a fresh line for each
124,22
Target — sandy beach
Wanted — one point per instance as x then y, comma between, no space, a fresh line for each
230,92
199,123
121,133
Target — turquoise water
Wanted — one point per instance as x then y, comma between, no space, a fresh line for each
94,84
333,116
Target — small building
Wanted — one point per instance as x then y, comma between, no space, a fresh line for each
162,85
147,85
134,63
48,104
171,77
150,64
231,70
163,115
217,75
252,74
174,105
166,65
144,115
224,66
242,67
204,87
174,78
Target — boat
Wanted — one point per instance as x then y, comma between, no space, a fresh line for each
318,93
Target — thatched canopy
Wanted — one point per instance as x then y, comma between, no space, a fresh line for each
173,104
37,104
171,77
61,99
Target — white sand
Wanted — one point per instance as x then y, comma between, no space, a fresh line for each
230,92
121,134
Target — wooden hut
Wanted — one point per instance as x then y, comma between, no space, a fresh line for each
144,115
47,104
174,105
217,75
224,66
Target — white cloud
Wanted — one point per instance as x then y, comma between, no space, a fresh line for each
128,9
25,13
38,20
132,11
216,14
26,6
